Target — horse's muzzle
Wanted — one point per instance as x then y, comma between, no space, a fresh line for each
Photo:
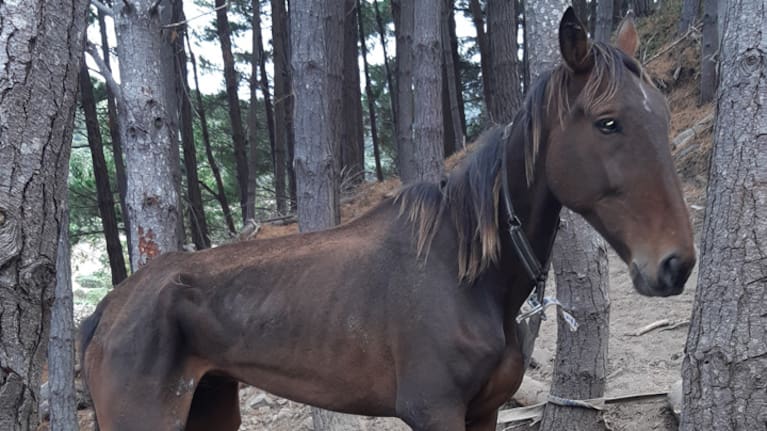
672,273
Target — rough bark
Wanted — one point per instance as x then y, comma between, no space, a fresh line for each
689,14
604,21
260,57
455,128
370,97
114,133
146,124
233,101
403,12
709,51
484,51
580,265
282,105
505,95
725,361
61,344
352,142
198,226
219,193
104,197
389,75
427,92
42,44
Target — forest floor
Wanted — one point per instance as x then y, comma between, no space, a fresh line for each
646,363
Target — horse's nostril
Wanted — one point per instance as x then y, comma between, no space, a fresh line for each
673,272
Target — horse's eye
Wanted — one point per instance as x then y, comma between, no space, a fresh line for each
607,125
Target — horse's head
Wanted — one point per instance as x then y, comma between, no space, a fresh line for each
608,157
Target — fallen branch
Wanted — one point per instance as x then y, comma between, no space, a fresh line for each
688,33
666,324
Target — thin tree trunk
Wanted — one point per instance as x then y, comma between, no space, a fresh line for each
104,198
197,223
581,9
282,106
427,91
484,52
235,116
253,84
114,133
502,35
725,361
220,194
604,23
452,81
42,48
259,49
352,142
460,106
387,68
370,98
404,26
709,51
61,347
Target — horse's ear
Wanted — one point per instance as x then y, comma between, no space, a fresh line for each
574,42
628,38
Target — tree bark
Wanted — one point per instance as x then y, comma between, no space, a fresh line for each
689,14
198,226
709,51
403,12
604,23
452,83
505,95
427,92
282,106
484,52
233,100
104,198
147,129
352,140
370,97
725,361
387,68
253,84
114,133
220,194
42,44
61,346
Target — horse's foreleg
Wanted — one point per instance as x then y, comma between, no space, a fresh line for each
487,423
215,405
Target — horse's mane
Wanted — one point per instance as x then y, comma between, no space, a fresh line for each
470,196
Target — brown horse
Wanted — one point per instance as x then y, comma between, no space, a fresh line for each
409,310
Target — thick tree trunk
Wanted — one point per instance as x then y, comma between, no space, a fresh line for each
282,105
42,44
219,194
452,84
147,129
387,68
427,91
484,52
502,36
689,14
235,116
352,142
709,51
104,198
258,44
604,21
114,133
198,226
725,360
370,97
403,12
61,346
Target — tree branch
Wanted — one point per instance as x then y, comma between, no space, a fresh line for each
104,70
106,10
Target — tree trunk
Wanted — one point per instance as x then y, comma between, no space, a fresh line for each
42,44
581,9
452,84
235,116
403,12
219,194
61,346
253,84
502,36
689,14
114,133
198,226
258,43
427,91
282,105
370,97
352,156
387,68
725,360
604,24
104,198
709,51
147,129
484,52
